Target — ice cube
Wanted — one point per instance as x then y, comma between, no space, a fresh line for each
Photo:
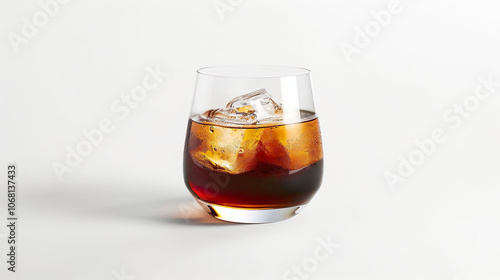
271,150
263,105
229,115
224,149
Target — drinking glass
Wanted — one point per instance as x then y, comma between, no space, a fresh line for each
253,150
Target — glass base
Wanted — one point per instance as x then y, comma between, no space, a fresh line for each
250,215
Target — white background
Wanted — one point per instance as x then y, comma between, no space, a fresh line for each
118,215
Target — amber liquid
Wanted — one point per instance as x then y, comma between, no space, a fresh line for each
253,166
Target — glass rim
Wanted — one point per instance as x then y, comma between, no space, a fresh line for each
253,71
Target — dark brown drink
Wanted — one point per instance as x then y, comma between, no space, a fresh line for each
253,166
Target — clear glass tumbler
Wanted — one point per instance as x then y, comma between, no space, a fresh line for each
253,150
